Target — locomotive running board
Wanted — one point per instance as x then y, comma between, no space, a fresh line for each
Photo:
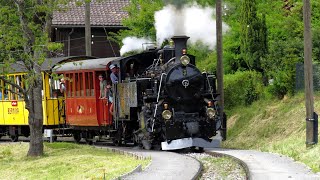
190,142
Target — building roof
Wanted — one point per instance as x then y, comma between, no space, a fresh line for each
107,13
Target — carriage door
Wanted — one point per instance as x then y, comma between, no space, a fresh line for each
103,106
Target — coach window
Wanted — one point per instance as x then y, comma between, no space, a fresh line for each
81,84
54,88
1,90
11,89
4,90
70,87
20,82
89,84
78,84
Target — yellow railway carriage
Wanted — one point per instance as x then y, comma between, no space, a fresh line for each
14,115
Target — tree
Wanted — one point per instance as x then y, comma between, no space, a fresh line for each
25,28
140,22
253,36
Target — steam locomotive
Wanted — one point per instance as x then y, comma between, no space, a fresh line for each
174,104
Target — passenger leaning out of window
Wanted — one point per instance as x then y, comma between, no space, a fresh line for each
62,86
103,89
110,98
114,76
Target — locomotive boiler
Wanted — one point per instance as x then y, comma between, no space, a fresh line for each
172,101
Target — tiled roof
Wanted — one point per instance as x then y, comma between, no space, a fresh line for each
103,13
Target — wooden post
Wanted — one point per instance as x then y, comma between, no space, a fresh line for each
308,78
220,66
87,28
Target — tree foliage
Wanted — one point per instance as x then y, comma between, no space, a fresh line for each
140,22
253,37
25,27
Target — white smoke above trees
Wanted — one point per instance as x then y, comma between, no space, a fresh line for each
191,20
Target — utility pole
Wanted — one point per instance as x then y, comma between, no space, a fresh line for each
87,28
220,68
311,117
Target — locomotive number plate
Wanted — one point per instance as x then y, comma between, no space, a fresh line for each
13,110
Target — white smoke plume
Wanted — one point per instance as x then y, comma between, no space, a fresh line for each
192,20
133,44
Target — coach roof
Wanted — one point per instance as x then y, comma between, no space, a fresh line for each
47,65
98,64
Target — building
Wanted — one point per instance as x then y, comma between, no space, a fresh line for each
69,27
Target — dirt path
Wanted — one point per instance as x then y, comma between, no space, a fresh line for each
264,165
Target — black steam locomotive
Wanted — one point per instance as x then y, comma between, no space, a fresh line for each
164,99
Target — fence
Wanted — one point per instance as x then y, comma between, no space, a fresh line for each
300,77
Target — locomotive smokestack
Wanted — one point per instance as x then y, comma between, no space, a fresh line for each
180,42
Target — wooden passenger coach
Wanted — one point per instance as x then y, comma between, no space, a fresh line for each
84,109
14,116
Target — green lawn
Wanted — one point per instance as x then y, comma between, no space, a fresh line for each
64,161
274,126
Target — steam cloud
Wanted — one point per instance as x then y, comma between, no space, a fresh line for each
133,43
191,20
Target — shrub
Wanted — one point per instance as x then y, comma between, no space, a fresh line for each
282,84
242,88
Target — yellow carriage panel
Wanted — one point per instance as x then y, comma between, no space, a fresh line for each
53,111
1,113
14,113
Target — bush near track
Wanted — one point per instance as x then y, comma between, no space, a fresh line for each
274,126
242,88
64,161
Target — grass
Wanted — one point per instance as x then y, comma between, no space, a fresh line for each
274,126
64,161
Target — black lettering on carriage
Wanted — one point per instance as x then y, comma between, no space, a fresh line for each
13,110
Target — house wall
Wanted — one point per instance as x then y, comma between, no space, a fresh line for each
101,46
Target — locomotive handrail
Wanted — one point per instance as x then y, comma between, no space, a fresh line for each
210,88
155,111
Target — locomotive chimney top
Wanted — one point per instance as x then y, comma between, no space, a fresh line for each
180,43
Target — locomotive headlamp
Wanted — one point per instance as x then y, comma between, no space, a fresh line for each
184,51
211,113
185,60
166,114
